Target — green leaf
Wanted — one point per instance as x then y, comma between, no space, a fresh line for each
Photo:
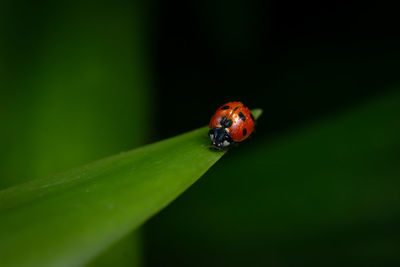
126,252
67,219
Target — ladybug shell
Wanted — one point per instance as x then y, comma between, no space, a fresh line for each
236,118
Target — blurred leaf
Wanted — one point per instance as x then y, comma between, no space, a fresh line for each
74,88
66,219
76,85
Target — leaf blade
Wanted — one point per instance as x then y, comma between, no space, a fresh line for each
69,218
110,192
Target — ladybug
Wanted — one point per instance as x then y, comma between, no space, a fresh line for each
231,123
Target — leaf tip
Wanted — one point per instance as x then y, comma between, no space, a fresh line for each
257,112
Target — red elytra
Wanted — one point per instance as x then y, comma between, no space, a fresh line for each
233,121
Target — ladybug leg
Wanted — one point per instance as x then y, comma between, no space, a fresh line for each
216,148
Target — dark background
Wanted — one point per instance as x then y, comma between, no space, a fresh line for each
296,60
301,62
317,184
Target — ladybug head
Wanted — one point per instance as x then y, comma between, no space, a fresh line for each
219,138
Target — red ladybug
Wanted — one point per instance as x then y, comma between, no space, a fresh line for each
231,123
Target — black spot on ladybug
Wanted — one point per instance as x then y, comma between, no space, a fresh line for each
225,107
225,123
252,117
242,117
244,132
222,121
